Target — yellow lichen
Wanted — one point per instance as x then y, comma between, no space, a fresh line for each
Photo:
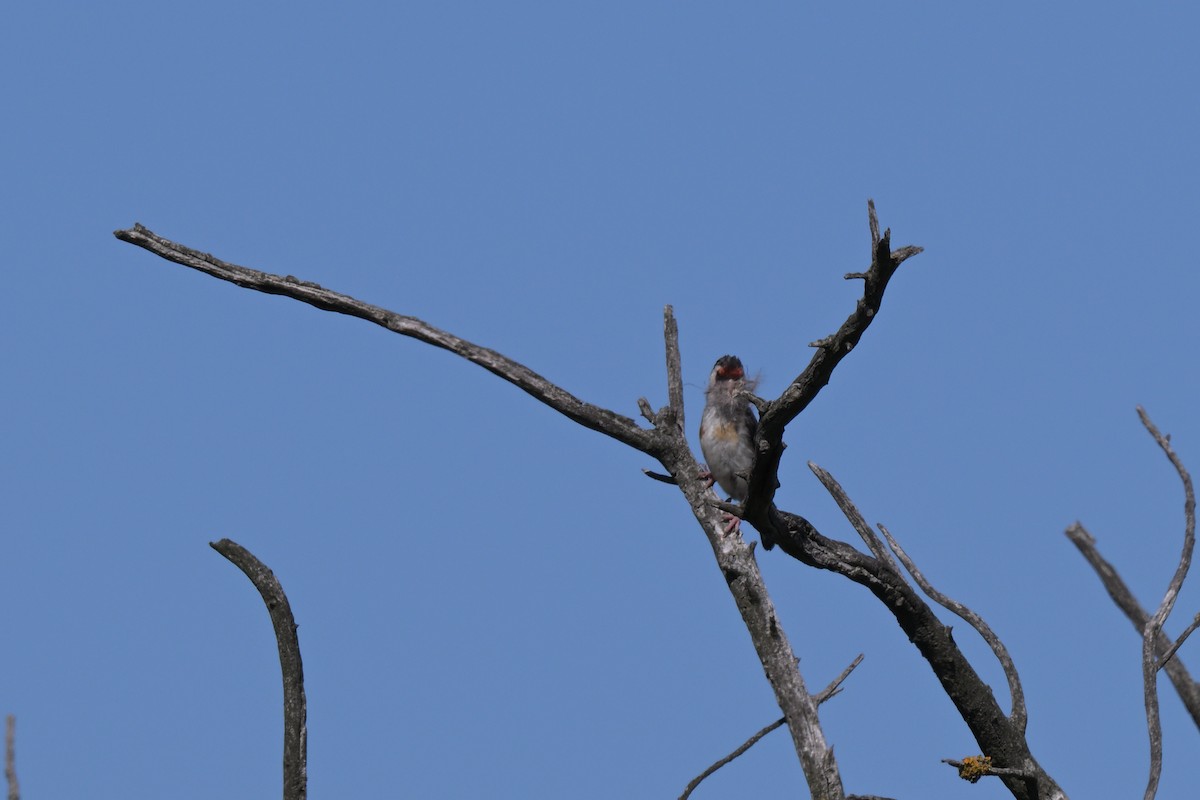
975,767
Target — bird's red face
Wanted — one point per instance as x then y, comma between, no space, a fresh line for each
729,368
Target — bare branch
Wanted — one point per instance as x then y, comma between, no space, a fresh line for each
974,699
674,370
658,476
1187,689
764,477
666,443
621,428
1019,714
691,787
1154,628
10,757
745,582
295,729
972,768
1188,631
873,222
835,686
647,410
854,515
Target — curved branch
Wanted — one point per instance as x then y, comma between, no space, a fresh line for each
295,730
621,428
1154,628
1019,714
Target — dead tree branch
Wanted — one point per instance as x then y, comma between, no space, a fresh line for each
666,442
1178,643
972,768
691,787
10,757
835,686
1187,688
1150,665
1019,714
993,730
674,368
295,729
775,415
620,428
830,691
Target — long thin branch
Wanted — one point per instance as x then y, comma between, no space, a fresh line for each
10,757
1154,628
1187,689
1019,714
295,729
691,787
599,419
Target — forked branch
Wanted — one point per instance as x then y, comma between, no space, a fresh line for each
1122,596
775,416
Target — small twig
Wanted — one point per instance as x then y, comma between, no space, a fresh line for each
972,768
820,697
728,507
873,221
674,370
835,686
1187,689
1019,714
1150,666
295,729
10,757
647,411
658,476
1188,631
691,787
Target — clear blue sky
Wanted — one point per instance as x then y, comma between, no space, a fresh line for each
492,601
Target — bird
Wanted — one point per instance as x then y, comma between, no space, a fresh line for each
727,429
